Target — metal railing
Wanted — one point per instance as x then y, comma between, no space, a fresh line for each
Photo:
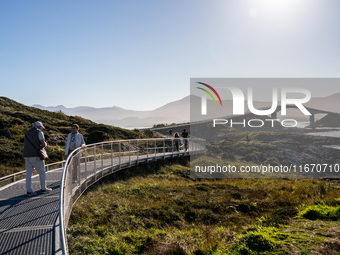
15,177
87,165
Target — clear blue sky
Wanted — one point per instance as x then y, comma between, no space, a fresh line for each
141,55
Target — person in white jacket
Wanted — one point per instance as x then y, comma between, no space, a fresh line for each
74,140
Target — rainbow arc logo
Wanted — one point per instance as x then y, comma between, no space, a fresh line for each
212,89
204,99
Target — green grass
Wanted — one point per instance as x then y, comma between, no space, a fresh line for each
161,210
321,212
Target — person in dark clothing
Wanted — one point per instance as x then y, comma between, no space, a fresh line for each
185,135
177,141
170,132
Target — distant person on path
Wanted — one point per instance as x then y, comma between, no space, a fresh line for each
185,135
225,137
170,132
74,140
177,140
247,138
34,140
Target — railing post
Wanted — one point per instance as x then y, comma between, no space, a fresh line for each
172,147
79,155
147,151
120,155
85,167
164,149
129,153
95,160
155,150
13,178
102,159
137,151
112,157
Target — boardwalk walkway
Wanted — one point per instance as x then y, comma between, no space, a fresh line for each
30,225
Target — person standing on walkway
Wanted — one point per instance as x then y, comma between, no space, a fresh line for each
185,135
74,140
34,139
177,141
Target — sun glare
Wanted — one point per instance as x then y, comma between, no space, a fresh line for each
273,7
277,12
278,5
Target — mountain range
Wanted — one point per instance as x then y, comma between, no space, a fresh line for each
179,111
174,112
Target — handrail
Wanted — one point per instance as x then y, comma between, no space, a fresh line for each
61,207
115,141
77,175
24,171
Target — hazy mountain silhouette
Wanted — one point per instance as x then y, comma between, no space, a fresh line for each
173,112
179,111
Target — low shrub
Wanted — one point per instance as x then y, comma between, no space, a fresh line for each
321,212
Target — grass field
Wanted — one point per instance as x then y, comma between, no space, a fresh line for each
160,210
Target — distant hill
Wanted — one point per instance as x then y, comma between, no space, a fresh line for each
62,108
330,120
329,103
179,111
174,112
16,119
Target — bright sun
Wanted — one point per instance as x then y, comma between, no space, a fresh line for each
278,5
272,7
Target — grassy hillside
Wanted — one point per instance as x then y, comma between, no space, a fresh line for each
161,210
16,119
